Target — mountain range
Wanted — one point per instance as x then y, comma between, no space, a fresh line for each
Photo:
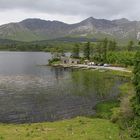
38,29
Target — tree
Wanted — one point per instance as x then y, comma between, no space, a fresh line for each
130,45
105,45
87,50
112,45
75,51
136,99
57,53
98,52
136,80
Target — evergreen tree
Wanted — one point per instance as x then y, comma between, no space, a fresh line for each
75,51
87,50
105,48
98,52
130,45
112,45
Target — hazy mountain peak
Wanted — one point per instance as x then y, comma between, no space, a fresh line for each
90,19
29,20
121,20
124,19
38,20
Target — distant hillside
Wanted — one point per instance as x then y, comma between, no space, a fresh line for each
8,41
37,29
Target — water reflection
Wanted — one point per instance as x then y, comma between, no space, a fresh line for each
95,83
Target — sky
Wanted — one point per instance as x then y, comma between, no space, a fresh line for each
69,11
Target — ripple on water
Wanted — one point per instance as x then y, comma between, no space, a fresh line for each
32,98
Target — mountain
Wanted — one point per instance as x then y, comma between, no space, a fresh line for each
37,29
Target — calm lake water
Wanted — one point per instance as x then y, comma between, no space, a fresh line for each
30,92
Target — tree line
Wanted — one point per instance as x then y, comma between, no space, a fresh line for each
107,51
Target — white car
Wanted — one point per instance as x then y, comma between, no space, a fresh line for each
91,64
106,65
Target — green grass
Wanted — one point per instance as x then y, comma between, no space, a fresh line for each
79,128
104,109
121,73
127,89
56,62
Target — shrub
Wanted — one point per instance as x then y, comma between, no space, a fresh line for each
55,60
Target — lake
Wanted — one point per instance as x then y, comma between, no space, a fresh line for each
31,92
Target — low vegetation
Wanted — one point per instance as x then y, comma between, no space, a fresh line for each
54,61
136,98
80,128
104,109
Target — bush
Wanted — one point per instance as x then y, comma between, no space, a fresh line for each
115,114
124,58
136,128
104,109
55,60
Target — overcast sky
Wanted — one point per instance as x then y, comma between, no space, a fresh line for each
69,11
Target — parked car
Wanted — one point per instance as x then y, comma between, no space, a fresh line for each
100,64
91,64
106,65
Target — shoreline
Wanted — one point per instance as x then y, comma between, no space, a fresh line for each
83,66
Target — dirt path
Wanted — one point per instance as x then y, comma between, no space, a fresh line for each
95,67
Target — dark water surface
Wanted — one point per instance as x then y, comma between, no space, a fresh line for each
33,93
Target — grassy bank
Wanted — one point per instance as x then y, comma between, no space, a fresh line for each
79,128
104,109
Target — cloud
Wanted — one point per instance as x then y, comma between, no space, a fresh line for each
71,8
